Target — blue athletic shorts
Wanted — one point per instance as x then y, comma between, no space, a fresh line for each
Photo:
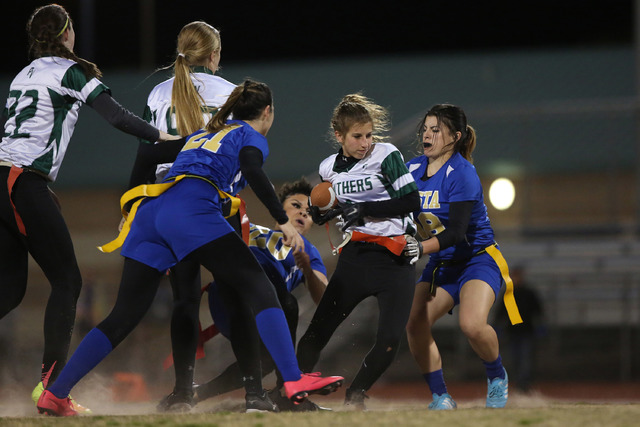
169,227
451,278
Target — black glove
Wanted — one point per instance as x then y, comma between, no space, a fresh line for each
321,218
352,214
413,249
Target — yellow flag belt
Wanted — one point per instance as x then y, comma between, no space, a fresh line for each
509,299
154,190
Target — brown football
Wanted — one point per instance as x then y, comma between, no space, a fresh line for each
323,196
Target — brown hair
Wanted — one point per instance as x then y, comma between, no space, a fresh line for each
358,109
301,186
454,118
45,28
196,41
246,102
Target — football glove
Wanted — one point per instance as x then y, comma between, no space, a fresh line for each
413,249
352,214
321,218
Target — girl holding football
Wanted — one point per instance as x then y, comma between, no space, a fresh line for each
38,121
377,194
465,266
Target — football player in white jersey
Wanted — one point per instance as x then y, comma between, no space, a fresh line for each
377,195
38,121
182,105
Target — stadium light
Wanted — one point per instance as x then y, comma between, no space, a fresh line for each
502,193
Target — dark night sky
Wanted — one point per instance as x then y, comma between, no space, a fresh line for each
276,30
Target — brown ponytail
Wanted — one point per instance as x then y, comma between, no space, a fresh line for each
246,102
45,28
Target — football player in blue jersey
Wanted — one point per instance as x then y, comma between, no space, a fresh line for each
182,218
286,270
465,266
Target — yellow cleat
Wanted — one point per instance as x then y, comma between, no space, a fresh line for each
35,395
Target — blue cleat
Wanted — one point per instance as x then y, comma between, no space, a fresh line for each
498,392
442,402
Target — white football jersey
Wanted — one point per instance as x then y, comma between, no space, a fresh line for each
42,111
380,175
213,89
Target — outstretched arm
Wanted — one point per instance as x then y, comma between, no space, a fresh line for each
124,120
251,160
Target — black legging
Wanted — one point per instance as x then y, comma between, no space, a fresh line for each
185,318
363,270
227,258
252,361
49,243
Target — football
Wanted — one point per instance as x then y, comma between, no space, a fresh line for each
323,196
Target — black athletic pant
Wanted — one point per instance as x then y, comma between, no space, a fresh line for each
363,270
227,258
185,318
253,362
49,243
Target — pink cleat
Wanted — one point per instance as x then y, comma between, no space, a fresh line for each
312,383
51,405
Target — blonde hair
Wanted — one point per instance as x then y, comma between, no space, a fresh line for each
196,41
356,108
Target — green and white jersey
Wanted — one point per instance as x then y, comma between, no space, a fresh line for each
380,175
42,111
213,89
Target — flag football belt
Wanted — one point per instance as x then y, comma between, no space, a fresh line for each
141,192
494,252
395,244
14,173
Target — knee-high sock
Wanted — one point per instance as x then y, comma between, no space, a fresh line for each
93,348
275,335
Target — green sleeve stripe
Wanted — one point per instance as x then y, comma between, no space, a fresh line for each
401,182
74,78
97,91
147,116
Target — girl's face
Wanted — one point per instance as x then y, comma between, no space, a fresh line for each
437,139
296,206
356,142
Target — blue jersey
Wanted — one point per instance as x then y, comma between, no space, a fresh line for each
275,257
456,181
215,156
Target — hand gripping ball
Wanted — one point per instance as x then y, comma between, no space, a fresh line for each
323,196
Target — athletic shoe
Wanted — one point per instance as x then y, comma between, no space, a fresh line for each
51,405
312,383
260,402
176,402
354,400
286,405
498,392
442,402
37,392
